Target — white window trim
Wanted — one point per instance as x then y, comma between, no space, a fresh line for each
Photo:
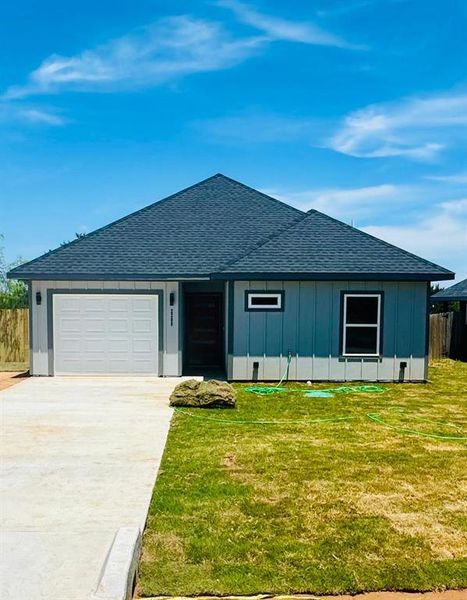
345,325
276,295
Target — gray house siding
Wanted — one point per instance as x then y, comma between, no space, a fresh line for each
310,329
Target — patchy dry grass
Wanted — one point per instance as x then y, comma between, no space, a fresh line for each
337,507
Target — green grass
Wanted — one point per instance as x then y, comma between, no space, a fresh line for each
9,366
326,508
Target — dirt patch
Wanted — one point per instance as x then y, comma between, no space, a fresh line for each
229,461
7,379
168,542
444,541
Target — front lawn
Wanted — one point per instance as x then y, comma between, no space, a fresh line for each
331,507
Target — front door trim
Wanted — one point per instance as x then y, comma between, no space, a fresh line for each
186,330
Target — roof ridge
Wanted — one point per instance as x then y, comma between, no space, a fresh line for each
270,237
365,234
119,220
252,189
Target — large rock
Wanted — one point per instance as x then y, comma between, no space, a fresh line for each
203,394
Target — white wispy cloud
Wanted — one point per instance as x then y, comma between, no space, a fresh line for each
281,29
414,217
348,204
440,236
456,207
172,47
418,128
454,178
11,113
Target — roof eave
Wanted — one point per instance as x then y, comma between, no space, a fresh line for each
30,276
335,276
453,298
240,276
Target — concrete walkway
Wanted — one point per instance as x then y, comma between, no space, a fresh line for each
79,460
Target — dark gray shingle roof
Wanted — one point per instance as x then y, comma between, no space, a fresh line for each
221,228
454,293
322,245
193,233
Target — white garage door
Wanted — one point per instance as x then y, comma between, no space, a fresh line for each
105,333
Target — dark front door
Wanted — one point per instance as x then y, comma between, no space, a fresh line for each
204,339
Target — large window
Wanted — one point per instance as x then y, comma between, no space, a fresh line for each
264,301
361,324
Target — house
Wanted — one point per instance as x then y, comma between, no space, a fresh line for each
456,293
221,276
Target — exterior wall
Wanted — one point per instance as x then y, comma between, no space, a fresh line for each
310,328
39,339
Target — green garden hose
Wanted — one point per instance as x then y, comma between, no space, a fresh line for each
264,390
374,417
264,422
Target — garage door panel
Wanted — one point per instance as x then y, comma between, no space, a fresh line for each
141,366
90,365
141,305
70,304
70,325
120,346
105,334
93,305
142,325
143,346
118,325
94,325
120,365
70,345
96,345
120,304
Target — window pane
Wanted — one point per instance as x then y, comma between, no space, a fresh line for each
264,300
360,340
362,310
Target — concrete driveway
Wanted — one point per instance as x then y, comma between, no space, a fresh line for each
79,460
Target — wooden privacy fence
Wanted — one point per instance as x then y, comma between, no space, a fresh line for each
447,335
14,335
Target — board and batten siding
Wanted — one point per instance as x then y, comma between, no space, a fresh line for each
310,328
39,340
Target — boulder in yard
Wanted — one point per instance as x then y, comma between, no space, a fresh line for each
203,394
185,393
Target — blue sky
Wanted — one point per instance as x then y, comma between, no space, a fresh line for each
355,107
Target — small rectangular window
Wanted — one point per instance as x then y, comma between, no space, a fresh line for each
361,325
264,300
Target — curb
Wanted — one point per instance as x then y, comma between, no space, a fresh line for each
119,570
